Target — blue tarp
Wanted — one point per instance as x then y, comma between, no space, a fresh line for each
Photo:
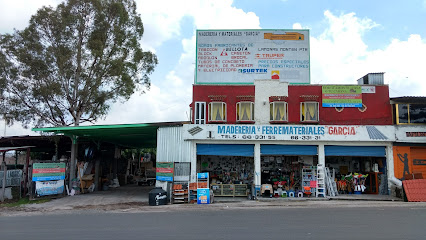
244,150
288,149
356,151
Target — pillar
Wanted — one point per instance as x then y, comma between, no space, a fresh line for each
321,154
257,170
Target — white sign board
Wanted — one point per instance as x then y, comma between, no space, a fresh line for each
241,56
351,133
411,134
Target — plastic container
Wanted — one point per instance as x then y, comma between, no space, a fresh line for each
157,196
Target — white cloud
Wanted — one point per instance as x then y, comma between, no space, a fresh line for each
162,24
17,13
341,56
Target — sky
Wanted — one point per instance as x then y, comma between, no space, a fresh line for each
348,39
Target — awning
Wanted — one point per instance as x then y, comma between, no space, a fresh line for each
143,135
356,151
288,149
243,150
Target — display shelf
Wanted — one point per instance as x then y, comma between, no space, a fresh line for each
180,193
309,173
229,190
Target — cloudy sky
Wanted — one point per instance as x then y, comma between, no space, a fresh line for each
348,40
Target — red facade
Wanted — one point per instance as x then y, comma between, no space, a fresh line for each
378,109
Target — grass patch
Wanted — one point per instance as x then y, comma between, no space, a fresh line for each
23,201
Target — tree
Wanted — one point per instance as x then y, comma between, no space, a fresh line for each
73,61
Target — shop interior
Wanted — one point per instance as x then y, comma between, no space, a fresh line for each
230,176
285,174
359,175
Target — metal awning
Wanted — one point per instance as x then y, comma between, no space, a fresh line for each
6,149
142,135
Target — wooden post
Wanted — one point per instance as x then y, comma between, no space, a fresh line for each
97,163
26,172
4,167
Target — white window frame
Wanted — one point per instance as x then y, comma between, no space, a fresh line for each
238,114
304,113
200,108
273,109
223,109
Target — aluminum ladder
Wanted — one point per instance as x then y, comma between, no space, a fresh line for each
320,181
330,183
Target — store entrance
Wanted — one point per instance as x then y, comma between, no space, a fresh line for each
358,175
230,176
281,175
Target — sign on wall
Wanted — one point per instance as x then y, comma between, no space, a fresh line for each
13,177
165,171
289,132
341,96
410,134
242,56
45,188
48,171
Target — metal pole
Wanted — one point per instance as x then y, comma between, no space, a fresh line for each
74,152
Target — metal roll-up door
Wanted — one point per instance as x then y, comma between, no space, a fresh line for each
356,151
243,150
288,149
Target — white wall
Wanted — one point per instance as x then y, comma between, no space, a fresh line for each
263,90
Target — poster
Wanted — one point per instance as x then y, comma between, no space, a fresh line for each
48,171
203,196
164,171
49,187
341,96
242,56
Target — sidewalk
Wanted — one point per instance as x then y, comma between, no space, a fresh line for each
133,198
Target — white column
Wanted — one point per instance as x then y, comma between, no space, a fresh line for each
321,154
389,164
257,180
194,167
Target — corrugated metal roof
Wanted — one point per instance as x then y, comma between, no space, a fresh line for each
408,99
415,190
374,133
6,149
141,135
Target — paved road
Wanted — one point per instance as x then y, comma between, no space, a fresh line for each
221,223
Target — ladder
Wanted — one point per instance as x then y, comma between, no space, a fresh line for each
320,181
330,183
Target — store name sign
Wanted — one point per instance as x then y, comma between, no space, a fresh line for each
290,132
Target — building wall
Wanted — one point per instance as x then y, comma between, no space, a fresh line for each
201,93
378,109
409,160
263,90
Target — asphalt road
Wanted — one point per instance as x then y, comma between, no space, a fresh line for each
268,223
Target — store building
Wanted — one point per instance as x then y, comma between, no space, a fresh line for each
272,133
409,150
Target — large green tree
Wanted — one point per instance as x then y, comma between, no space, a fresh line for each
73,61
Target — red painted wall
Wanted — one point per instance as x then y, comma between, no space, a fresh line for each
378,107
201,93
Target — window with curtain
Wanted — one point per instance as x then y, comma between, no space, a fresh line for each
217,111
309,111
245,111
278,111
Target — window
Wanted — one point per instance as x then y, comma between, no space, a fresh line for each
411,113
245,111
200,113
217,111
278,111
309,112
